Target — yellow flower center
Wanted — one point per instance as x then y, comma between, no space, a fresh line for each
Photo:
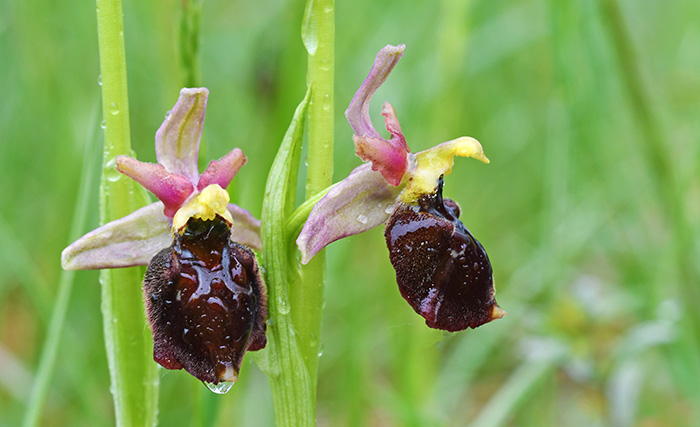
209,203
432,163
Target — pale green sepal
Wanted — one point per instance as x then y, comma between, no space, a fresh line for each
129,241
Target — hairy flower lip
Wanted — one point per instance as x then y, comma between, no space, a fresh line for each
205,301
442,270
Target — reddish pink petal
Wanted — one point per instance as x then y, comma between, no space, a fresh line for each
392,125
386,158
223,170
173,190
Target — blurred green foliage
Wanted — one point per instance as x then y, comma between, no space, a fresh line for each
589,209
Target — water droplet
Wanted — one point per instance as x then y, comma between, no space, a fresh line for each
326,103
113,109
167,114
110,170
309,30
103,125
389,209
282,305
320,350
222,388
362,218
99,80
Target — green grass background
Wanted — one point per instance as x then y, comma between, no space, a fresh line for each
589,209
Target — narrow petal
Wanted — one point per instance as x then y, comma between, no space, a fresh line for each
358,111
177,140
223,170
132,240
358,203
436,161
388,157
392,125
169,188
246,228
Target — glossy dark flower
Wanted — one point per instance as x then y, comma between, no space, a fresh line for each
442,270
206,303
204,294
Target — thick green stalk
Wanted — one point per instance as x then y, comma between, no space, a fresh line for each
129,345
318,35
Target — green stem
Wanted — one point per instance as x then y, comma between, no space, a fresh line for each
295,296
129,345
318,35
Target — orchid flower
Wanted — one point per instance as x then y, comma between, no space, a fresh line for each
204,294
442,270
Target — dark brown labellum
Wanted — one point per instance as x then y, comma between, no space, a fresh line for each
442,270
206,302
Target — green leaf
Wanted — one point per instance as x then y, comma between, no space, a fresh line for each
293,391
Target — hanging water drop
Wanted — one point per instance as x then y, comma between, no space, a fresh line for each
222,388
113,109
99,80
110,170
362,218
103,125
